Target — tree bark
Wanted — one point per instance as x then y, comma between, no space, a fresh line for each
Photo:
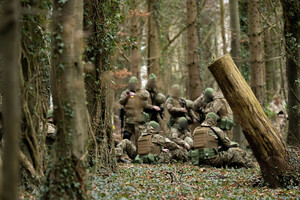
68,174
101,149
235,53
292,38
264,141
256,50
35,93
193,57
135,32
153,52
10,48
222,22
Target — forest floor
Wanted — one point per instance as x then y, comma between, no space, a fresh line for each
180,181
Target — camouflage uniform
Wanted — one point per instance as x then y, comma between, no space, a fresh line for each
213,147
155,99
280,117
218,105
162,150
134,118
176,107
181,137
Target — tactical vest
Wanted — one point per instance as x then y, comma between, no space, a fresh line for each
134,108
202,139
146,146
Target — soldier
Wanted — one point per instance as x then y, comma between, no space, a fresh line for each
51,128
216,103
152,147
212,147
280,115
181,135
133,100
154,107
178,107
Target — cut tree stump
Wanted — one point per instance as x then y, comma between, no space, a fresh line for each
269,150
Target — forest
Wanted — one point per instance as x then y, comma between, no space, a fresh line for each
149,99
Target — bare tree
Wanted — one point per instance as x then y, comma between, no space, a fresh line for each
292,38
256,50
153,51
68,173
193,57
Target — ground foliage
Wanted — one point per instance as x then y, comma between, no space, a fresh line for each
179,181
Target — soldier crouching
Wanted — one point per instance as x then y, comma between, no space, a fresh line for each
212,147
153,148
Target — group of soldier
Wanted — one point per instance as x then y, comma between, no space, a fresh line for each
144,140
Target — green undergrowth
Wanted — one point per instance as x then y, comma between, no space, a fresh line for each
178,181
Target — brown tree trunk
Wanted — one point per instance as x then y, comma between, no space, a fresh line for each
292,38
135,32
222,22
97,88
256,50
68,174
10,48
264,141
269,64
193,57
235,53
35,92
153,51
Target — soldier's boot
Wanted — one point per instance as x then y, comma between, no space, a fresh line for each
238,161
165,158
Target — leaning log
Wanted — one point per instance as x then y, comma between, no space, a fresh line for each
269,150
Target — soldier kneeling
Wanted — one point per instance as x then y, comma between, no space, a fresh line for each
152,148
212,147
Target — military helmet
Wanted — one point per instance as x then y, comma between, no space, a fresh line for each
152,77
183,123
49,113
154,125
213,116
208,93
133,80
189,104
276,96
160,98
175,86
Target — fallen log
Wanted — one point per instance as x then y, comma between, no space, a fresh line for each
269,150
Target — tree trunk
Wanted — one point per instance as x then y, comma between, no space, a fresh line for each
135,32
35,61
9,43
235,53
256,50
97,82
264,141
68,174
193,57
292,39
222,22
269,64
153,40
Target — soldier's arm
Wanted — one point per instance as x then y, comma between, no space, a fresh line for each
217,104
199,102
192,113
175,138
223,139
171,108
124,98
165,142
